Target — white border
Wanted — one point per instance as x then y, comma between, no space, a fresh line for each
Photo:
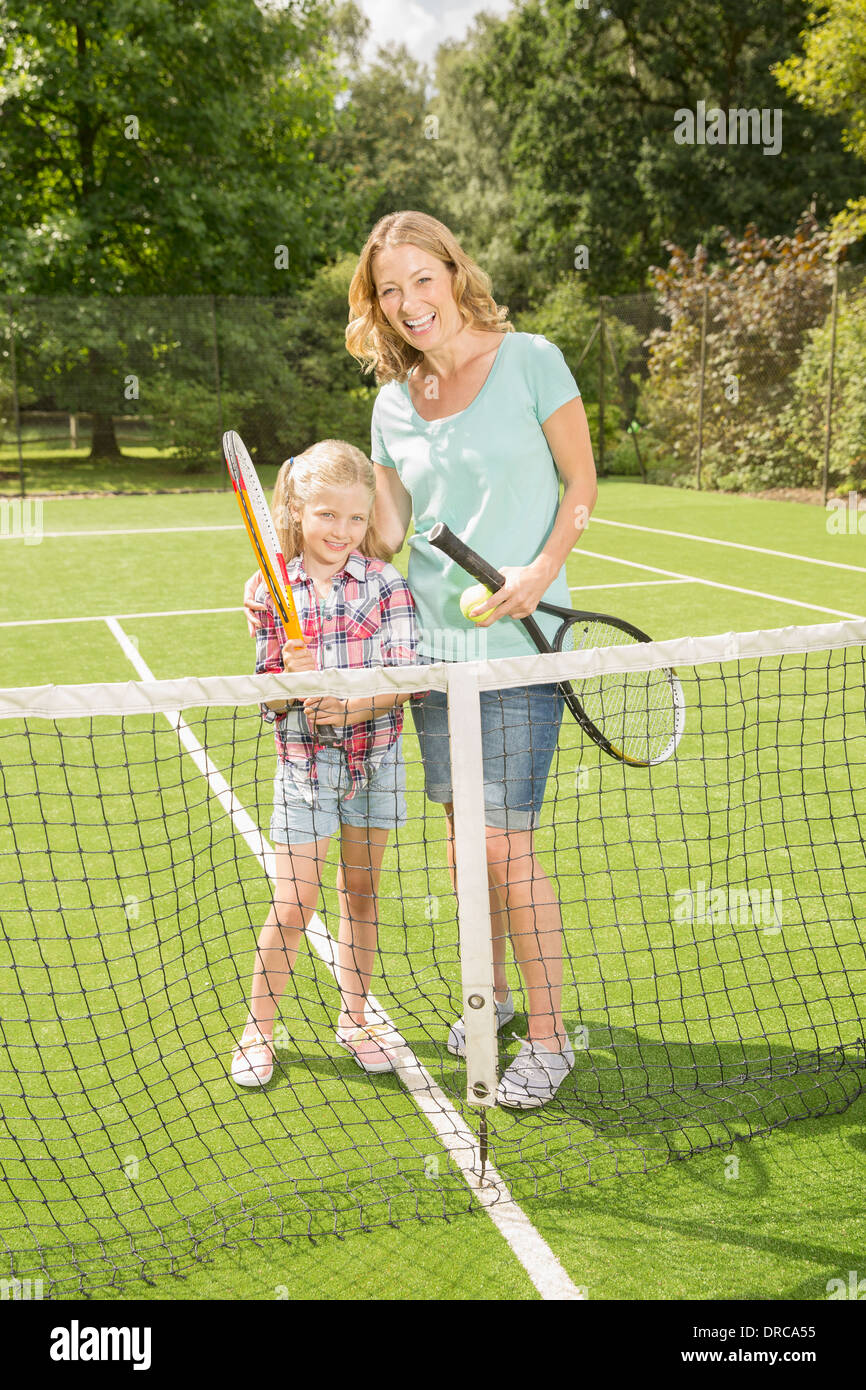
473,889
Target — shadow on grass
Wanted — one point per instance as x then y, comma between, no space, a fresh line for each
325,1149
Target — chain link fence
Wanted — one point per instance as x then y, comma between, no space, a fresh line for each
133,394
738,387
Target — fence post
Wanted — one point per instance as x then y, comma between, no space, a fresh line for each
216,363
701,388
15,408
633,427
828,424
601,335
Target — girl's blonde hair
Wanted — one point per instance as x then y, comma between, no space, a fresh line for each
370,337
330,463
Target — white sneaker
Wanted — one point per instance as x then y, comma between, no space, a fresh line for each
534,1076
253,1061
457,1034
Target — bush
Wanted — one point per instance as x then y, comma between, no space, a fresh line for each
187,419
805,417
761,307
568,319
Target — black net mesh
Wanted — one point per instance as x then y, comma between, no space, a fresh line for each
712,949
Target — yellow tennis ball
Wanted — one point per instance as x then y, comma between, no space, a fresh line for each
471,598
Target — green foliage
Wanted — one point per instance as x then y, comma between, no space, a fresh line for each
156,147
805,417
6,407
760,305
188,421
585,105
388,141
830,73
329,397
830,76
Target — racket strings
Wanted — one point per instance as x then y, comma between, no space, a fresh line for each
636,711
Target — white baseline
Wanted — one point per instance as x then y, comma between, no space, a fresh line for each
732,545
715,584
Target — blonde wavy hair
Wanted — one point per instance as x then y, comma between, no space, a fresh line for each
330,463
369,336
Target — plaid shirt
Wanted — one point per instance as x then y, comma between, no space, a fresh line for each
369,620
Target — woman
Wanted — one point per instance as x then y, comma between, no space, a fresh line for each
475,425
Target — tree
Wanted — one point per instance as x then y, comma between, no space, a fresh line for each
830,76
805,418
589,99
387,141
157,147
761,304
149,146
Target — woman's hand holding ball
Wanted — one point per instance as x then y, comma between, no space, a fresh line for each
524,587
473,598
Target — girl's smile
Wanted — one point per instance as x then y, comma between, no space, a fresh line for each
333,524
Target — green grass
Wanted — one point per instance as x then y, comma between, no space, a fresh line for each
140,469
56,470
134,1019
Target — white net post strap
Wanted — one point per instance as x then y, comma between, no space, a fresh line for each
473,902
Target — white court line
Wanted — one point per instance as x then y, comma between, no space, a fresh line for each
715,584
627,584
107,618
528,1245
35,536
673,578
733,545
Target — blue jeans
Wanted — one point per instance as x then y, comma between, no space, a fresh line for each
300,817
519,733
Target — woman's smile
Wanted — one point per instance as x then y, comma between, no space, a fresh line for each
419,326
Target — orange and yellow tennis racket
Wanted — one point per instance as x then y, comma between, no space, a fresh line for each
260,529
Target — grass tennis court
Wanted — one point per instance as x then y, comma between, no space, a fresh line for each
782,1227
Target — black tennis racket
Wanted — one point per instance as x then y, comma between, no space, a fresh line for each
637,717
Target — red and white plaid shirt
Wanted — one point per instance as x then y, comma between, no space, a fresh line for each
369,620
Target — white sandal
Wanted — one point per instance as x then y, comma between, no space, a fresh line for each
367,1047
253,1061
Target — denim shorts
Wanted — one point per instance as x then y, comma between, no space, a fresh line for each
303,814
519,733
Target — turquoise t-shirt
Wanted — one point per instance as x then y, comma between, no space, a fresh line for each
488,473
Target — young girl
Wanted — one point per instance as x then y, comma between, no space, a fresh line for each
340,760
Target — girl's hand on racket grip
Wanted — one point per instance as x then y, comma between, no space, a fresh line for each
297,657
251,608
523,590
327,709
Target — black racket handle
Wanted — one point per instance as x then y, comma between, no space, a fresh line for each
475,565
445,540
468,559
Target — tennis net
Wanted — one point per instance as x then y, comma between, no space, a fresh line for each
712,945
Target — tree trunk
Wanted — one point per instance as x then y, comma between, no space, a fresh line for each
104,442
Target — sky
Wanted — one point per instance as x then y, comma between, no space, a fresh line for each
422,24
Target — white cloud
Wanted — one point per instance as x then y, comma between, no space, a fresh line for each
422,26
